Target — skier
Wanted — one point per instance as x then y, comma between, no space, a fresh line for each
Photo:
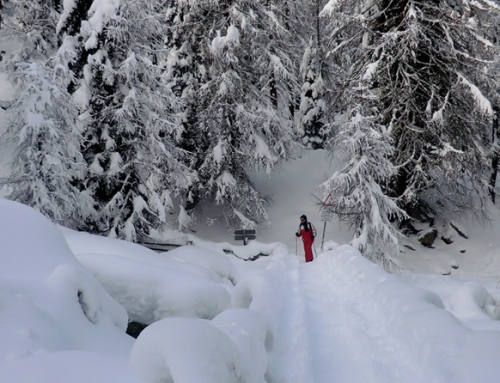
307,231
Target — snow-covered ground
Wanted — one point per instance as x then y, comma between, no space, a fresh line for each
66,298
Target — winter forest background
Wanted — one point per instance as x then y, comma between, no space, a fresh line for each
125,115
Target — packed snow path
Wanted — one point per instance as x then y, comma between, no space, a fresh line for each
349,340
365,325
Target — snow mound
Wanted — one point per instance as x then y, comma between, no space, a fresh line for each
471,301
195,255
32,247
187,282
249,331
48,301
150,292
185,350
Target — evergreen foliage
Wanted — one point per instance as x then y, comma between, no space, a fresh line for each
312,128
125,108
425,62
359,187
129,120
314,106
48,163
229,72
42,121
32,25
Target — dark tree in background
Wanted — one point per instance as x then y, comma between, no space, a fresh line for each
314,105
425,62
228,66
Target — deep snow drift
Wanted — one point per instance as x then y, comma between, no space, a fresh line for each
65,298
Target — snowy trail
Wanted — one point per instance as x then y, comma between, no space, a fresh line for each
356,334
348,342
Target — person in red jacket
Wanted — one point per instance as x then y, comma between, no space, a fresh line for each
307,231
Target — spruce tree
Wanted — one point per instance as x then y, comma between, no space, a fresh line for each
314,107
425,61
42,121
359,188
312,128
224,67
129,120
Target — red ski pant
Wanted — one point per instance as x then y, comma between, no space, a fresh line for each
308,242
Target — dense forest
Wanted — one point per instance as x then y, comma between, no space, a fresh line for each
127,110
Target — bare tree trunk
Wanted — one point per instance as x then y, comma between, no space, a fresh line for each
273,91
318,25
496,156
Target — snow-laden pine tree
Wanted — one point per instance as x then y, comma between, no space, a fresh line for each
360,187
311,127
73,13
312,113
491,88
128,114
47,164
287,27
42,121
225,70
425,60
31,24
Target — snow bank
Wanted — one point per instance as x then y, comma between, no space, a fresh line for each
49,303
252,336
222,319
32,247
150,292
392,327
187,282
186,350
71,366
261,338
275,293
205,258
471,302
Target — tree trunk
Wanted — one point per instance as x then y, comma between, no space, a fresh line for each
400,182
495,159
273,92
494,171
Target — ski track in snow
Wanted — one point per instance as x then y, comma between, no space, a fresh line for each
350,337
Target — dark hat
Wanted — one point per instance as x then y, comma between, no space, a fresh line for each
303,216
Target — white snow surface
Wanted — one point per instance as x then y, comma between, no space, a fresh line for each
215,316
